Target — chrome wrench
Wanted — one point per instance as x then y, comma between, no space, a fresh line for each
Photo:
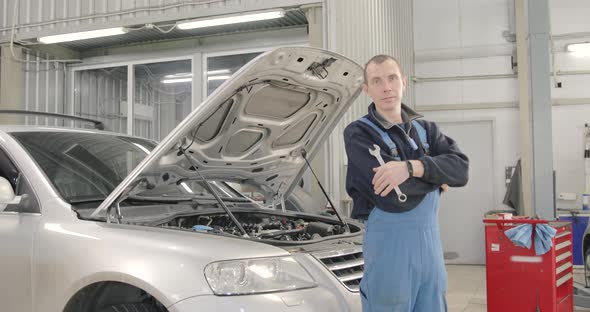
376,152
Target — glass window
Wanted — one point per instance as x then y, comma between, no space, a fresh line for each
101,94
20,185
84,167
220,68
163,97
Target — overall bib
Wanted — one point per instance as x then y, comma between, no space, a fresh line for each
404,264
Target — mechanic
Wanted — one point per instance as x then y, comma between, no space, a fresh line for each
404,265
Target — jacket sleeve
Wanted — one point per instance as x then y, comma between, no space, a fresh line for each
360,170
446,164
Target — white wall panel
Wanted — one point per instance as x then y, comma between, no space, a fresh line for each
360,30
572,87
493,65
439,93
489,91
569,16
442,15
481,22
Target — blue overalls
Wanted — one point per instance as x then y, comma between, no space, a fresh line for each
404,264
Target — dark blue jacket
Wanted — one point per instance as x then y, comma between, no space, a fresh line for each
445,164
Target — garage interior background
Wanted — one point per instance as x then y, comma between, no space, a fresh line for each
460,56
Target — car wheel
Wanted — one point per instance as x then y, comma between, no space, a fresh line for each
131,307
586,265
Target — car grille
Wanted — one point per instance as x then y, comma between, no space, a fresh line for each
347,265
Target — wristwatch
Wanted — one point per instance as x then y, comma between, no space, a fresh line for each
410,168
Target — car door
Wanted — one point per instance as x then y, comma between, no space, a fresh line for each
17,225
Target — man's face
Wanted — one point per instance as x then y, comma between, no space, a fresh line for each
385,85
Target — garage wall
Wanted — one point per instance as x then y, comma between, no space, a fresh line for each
43,87
98,95
472,38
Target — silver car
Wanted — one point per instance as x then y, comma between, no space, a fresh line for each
92,221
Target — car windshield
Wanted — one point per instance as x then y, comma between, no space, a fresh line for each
86,167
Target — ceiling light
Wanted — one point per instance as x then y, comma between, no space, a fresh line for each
176,80
179,75
223,77
218,72
233,19
82,35
580,49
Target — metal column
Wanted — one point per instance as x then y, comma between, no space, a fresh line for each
535,107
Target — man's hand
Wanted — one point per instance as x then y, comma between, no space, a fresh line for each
388,176
444,188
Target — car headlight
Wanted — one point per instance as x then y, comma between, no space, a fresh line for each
261,275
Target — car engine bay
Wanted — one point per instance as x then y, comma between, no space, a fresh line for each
261,226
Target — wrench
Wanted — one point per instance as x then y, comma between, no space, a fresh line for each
376,152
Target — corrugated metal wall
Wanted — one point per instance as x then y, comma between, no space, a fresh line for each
43,88
98,95
386,27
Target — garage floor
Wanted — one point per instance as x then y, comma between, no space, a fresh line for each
467,288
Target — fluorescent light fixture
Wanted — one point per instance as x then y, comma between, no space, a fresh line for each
218,72
233,19
223,77
179,75
82,35
176,80
578,47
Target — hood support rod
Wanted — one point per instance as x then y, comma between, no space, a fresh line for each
212,191
304,154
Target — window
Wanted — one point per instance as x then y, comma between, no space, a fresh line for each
20,185
84,167
220,68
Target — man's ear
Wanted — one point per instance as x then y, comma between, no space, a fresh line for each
404,82
365,88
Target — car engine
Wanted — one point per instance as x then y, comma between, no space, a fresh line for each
259,225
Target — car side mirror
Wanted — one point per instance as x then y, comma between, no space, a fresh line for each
7,196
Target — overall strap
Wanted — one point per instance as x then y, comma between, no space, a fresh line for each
384,136
423,136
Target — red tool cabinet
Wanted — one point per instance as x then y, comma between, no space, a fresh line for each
518,280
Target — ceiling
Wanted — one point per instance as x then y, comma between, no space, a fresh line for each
292,18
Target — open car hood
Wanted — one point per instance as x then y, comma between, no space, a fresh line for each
254,128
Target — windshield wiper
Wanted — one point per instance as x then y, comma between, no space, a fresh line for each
86,200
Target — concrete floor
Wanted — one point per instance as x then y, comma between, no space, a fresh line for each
467,288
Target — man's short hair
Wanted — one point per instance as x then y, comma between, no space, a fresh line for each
378,59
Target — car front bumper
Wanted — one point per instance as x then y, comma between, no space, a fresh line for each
306,300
